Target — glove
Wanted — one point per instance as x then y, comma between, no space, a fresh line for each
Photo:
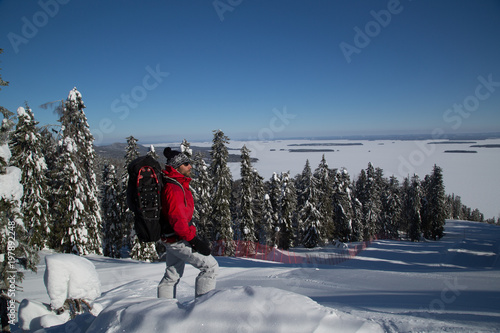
200,246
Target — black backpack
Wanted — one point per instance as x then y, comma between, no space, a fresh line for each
144,197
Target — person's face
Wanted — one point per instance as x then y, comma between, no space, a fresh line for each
185,169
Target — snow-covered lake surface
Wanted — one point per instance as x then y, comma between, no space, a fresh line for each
452,285
472,176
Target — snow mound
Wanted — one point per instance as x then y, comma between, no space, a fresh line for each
238,309
68,276
34,315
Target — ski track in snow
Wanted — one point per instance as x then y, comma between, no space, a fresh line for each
452,285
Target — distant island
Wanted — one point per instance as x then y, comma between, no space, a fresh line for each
492,145
330,144
451,142
461,151
310,150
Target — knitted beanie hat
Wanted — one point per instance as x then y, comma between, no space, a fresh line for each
175,158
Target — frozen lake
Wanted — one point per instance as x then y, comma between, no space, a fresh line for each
472,175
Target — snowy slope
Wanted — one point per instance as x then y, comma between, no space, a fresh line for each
392,286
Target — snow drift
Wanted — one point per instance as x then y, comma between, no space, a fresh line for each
238,309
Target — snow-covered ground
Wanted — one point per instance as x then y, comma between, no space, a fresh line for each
452,285
472,176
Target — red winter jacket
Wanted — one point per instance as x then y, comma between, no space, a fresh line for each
178,205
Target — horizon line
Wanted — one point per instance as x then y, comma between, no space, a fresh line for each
369,137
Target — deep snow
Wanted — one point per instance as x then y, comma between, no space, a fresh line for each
392,286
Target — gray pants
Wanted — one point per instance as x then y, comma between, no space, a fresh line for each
177,255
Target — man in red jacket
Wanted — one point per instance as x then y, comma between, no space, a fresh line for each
180,240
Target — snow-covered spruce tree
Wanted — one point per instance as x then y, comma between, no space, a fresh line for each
357,219
69,232
326,179
202,187
13,232
127,217
476,215
235,207
391,208
302,182
466,212
131,151
449,207
5,129
14,249
259,206
380,183
27,154
342,203
288,212
455,203
368,193
268,222
411,208
221,192
75,126
111,213
49,151
186,148
436,204
246,216
308,218
143,251
152,152
404,224
273,204
425,210
362,196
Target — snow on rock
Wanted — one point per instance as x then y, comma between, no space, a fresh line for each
68,276
238,309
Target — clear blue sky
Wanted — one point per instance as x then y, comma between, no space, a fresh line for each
168,70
